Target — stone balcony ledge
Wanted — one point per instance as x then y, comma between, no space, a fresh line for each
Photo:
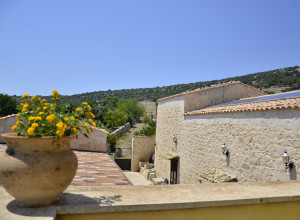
91,200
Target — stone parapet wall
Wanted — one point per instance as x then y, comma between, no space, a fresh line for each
6,123
142,149
122,129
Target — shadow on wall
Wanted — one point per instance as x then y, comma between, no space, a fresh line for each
228,159
293,173
66,199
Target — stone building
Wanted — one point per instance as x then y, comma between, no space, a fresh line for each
192,127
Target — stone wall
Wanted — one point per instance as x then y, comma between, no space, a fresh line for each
5,125
122,129
95,142
255,140
142,149
169,123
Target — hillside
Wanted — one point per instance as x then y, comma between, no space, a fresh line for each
278,80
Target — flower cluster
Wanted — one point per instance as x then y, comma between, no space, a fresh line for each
39,118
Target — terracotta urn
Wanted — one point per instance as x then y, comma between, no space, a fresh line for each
35,170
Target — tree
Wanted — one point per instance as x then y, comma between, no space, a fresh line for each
133,109
8,105
115,119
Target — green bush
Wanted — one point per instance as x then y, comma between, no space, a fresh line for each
8,105
149,130
112,140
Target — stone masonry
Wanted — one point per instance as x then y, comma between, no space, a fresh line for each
142,149
256,140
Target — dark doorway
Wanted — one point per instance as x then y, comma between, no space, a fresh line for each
174,171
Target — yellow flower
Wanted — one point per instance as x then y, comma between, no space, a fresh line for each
85,103
34,125
54,92
90,120
60,132
60,125
50,118
46,104
41,113
92,115
52,109
89,108
38,118
72,118
14,127
25,95
45,108
39,99
94,124
38,108
30,131
85,125
89,131
44,100
25,106
18,115
31,118
66,119
78,109
33,97
75,130
19,122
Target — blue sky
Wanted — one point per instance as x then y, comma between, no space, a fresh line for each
84,46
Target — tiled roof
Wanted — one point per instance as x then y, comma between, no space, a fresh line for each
282,104
208,88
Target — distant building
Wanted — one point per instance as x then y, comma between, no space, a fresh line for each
192,127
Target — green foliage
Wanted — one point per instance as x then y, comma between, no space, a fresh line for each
110,102
269,92
115,118
8,105
112,140
132,108
285,77
149,130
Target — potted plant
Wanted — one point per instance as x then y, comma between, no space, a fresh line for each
142,163
38,164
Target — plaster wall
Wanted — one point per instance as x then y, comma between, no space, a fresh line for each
142,149
256,142
170,115
96,141
281,210
209,97
6,124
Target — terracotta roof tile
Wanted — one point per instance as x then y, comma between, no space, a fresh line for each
283,104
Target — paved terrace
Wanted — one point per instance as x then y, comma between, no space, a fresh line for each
94,169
